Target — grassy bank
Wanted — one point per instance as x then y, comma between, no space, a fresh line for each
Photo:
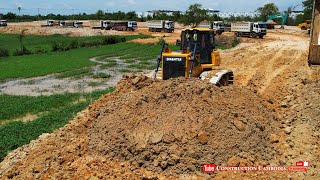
34,42
56,62
52,112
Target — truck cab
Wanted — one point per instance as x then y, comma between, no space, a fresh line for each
218,26
50,22
78,24
3,23
132,25
106,25
169,26
259,28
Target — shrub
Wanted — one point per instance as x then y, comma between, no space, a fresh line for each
235,42
59,46
74,44
4,52
39,51
22,51
90,43
113,40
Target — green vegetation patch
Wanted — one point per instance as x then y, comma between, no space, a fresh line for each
59,109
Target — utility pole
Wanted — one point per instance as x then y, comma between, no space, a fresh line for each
38,14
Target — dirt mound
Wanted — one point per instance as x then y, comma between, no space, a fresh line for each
178,125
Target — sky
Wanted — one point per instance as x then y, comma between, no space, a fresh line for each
31,6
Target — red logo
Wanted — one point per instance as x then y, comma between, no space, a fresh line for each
299,163
302,163
208,168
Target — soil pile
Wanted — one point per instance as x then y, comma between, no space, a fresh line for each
178,125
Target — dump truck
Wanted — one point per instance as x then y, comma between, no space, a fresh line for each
161,26
314,47
103,25
77,24
3,23
50,23
218,26
249,29
197,57
124,26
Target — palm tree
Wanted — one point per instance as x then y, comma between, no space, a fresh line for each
19,9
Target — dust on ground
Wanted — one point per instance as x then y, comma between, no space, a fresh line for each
163,129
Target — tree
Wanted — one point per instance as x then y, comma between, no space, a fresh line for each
308,7
19,9
267,10
99,15
194,15
132,15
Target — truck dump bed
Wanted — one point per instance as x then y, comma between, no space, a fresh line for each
155,24
314,51
241,27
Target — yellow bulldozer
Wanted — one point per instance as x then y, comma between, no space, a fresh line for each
305,25
197,57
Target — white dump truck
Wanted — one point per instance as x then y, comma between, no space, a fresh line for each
215,25
101,25
77,24
3,23
249,29
50,23
161,26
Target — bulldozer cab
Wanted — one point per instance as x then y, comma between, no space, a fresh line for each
204,41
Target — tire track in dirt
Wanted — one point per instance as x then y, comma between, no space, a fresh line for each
272,73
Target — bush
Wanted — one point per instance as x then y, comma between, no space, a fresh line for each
235,42
4,52
39,51
90,44
22,51
74,44
59,46
113,40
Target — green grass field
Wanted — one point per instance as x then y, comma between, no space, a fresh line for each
32,42
53,112
56,62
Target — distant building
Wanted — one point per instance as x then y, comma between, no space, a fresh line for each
235,14
154,12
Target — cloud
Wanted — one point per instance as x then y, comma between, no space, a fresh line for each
18,4
132,2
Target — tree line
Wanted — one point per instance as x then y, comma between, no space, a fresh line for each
192,16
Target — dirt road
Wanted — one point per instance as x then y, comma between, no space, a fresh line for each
274,86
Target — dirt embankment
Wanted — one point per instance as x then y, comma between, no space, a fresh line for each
168,127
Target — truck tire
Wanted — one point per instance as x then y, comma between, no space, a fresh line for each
254,35
260,36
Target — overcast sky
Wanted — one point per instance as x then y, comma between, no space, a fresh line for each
143,5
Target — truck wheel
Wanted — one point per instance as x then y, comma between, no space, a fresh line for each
254,35
261,36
